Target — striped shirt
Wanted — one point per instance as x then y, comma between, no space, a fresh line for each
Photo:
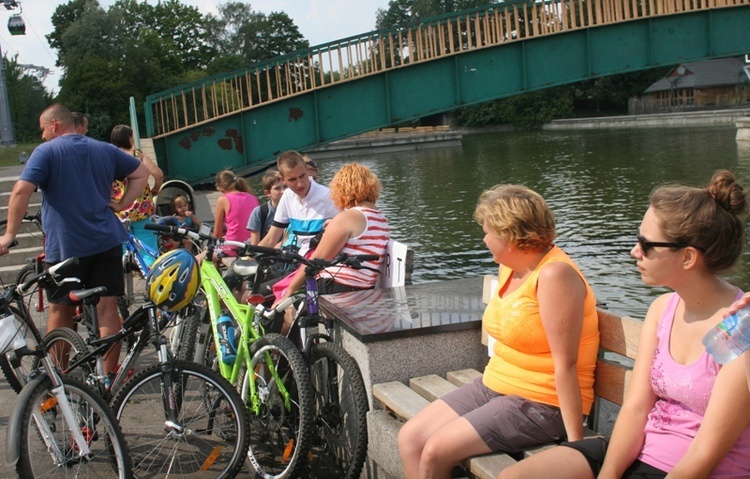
373,240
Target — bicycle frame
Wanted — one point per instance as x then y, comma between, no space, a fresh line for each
134,254
58,389
217,292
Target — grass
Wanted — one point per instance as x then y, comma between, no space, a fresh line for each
9,156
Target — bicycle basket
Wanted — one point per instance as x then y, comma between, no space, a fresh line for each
10,337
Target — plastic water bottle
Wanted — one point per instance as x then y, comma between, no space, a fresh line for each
225,326
729,338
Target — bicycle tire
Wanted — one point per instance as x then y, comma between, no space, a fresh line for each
204,399
18,377
276,432
31,301
63,346
186,331
97,422
187,336
339,446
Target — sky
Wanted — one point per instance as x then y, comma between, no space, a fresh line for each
319,21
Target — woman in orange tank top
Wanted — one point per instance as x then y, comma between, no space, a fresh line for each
538,384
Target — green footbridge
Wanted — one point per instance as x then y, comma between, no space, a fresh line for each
245,118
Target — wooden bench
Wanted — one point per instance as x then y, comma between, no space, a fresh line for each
396,402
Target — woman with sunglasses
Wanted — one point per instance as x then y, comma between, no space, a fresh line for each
684,415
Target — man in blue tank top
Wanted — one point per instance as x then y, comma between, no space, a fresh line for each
75,174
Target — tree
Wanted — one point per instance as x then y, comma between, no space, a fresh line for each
27,99
131,49
526,111
401,13
244,36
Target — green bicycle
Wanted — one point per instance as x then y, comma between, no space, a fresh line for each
267,368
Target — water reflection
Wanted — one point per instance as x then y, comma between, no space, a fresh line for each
597,184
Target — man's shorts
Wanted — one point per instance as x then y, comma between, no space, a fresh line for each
506,423
101,269
594,450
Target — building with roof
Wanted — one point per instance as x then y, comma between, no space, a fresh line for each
702,85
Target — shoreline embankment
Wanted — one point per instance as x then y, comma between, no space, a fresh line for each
390,140
706,118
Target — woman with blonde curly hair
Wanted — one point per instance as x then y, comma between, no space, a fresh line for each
360,228
538,384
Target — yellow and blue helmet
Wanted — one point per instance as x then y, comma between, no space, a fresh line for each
173,280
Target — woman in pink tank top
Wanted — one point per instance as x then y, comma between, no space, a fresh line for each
684,415
233,209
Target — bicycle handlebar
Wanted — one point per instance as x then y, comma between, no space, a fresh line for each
27,218
353,261
53,273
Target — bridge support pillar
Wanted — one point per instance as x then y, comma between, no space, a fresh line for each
743,129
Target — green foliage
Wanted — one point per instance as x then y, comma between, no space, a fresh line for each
244,36
9,155
27,99
526,111
131,49
404,12
134,48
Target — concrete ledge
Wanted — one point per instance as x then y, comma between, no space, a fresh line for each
382,449
677,120
743,129
386,144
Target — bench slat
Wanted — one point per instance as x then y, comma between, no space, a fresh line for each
431,387
619,334
464,376
611,381
399,398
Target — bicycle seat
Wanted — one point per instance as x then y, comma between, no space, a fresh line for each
244,267
81,294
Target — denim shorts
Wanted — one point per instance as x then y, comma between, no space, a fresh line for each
506,423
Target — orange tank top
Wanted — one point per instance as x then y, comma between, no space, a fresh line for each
522,362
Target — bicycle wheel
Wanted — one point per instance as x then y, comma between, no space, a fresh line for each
64,346
280,432
18,370
34,299
339,446
43,419
209,437
185,333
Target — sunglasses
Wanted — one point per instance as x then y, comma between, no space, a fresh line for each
647,245
311,163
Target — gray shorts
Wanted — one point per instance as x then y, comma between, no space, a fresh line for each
506,423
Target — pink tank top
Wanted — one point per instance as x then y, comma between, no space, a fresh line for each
240,206
683,392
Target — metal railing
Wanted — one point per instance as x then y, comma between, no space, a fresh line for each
372,53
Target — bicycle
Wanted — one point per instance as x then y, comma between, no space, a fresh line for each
56,417
178,417
339,447
135,260
268,370
36,306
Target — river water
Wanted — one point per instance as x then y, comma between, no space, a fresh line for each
597,184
